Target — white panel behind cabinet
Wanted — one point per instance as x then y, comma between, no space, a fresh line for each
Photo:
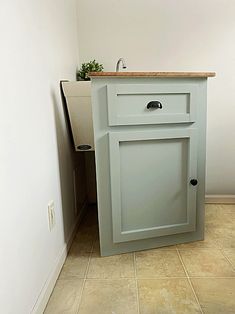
78,98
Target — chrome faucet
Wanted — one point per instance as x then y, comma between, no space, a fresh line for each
121,60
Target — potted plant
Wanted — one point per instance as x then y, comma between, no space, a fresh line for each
92,66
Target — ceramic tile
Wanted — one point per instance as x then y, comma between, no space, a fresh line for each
208,242
219,216
109,297
216,295
158,263
206,263
229,209
65,297
213,216
109,293
82,243
110,267
230,254
212,211
225,237
75,266
165,296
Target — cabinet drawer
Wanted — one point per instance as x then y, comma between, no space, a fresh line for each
133,104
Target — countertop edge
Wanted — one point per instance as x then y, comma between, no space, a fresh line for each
152,74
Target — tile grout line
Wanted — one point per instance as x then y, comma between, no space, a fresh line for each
222,252
136,284
85,276
154,278
189,281
144,278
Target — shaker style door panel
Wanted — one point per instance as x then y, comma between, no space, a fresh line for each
151,193
134,104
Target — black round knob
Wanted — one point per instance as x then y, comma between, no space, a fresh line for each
193,182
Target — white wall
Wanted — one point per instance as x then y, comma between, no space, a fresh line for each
38,49
185,35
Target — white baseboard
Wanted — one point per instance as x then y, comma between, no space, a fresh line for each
220,199
48,287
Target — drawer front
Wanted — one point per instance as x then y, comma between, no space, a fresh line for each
133,104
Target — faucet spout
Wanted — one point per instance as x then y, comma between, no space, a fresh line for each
121,60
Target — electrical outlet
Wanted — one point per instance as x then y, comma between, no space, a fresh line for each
51,214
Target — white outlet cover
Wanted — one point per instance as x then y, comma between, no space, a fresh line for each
51,214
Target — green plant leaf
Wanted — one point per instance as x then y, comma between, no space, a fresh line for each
92,66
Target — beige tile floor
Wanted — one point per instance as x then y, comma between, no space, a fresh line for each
189,278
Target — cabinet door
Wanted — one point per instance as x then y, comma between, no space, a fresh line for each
151,193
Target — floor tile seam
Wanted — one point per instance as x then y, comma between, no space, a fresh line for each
162,277
189,281
72,277
195,295
136,283
138,278
224,255
89,261
191,276
77,299
110,278
200,248
80,298
84,280
182,263
155,250
211,277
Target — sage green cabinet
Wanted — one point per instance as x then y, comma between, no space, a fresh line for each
150,172
126,103
148,161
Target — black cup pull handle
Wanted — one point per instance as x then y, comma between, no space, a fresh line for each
193,182
154,105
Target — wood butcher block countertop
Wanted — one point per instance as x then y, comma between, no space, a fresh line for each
152,74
